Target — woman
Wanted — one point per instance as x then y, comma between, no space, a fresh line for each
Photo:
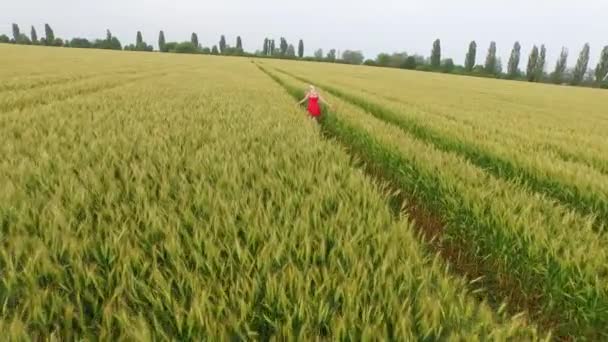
313,98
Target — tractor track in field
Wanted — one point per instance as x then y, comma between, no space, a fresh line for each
43,83
564,155
496,288
53,82
85,91
568,195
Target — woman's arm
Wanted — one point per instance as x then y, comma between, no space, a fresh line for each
303,100
323,100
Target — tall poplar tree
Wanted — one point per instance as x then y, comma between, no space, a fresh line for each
513,64
469,62
436,54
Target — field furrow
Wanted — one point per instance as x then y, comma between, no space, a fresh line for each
525,237
568,147
20,101
571,121
30,83
581,188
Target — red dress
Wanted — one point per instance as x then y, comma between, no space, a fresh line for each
313,106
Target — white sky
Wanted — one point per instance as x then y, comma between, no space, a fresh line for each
371,26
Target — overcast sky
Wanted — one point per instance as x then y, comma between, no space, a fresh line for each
371,26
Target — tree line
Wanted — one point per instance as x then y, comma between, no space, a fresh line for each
269,49
21,38
112,43
492,66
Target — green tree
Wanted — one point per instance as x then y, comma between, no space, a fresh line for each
186,47
283,46
140,45
272,48
447,65
161,42
410,63
397,59
560,67
383,59
265,48
170,46
49,34
194,40
331,55
16,32
23,39
469,62
20,38
498,68
291,51
115,44
513,65
110,43
581,66
268,47
4,38
214,50
80,43
436,55
239,44
540,64
601,70
34,35
353,57
491,61
319,54
301,48
531,70
223,45
479,70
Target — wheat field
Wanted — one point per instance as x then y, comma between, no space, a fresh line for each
151,196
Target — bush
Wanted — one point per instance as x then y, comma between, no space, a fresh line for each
23,39
447,65
4,38
111,44
370,62
233,51
460,70
184,47
479,70
139,47
352,57
410,63
80,43
424,67
170,47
